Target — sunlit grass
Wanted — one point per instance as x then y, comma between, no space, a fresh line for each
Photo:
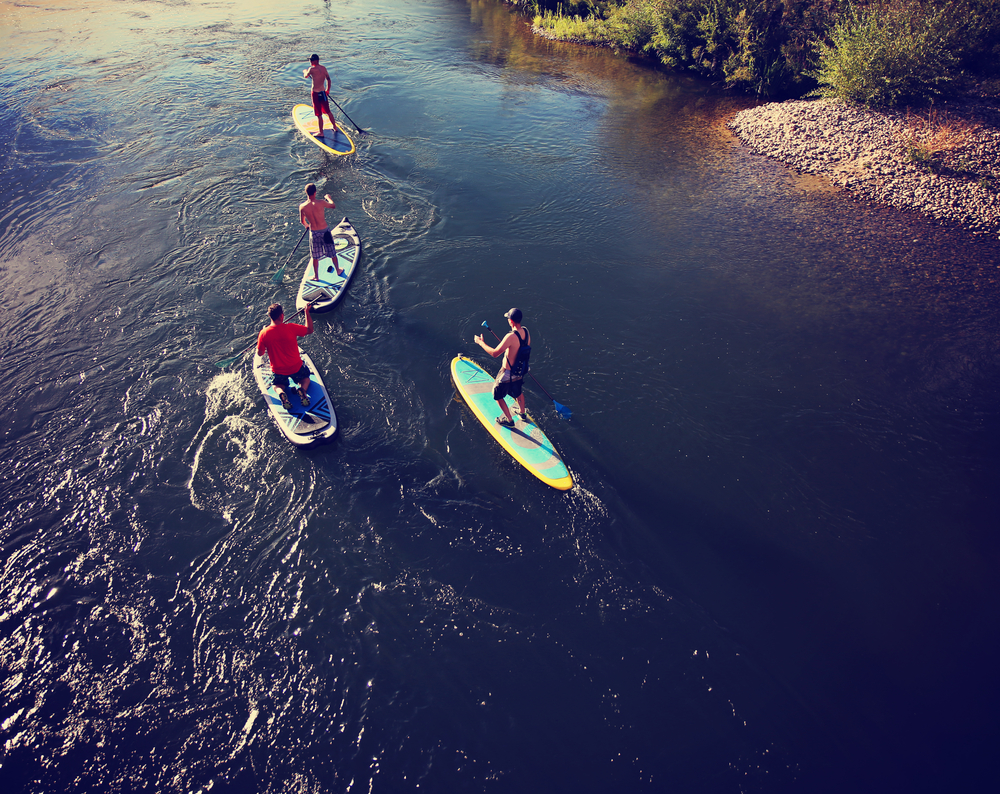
556,25
927,139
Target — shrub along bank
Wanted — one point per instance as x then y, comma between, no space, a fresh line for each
872,52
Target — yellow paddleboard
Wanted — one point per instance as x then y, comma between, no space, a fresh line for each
334,140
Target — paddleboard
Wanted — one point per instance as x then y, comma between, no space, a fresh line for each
303,426
329,288
334,140
525,441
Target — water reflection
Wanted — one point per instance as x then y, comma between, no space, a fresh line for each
782,426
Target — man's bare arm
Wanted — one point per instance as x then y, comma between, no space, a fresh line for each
309,318
494,351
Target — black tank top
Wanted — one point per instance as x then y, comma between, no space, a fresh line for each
519,368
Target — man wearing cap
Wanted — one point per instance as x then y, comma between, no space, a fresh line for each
515,348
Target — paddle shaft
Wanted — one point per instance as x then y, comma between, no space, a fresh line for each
360,131
539,385
276,278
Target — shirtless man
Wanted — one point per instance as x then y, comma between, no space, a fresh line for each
510,379
312,213
321,85
280,340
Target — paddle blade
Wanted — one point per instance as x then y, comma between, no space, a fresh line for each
564,412
232,359
227,361
278,277
485,325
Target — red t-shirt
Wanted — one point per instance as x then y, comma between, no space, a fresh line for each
281,344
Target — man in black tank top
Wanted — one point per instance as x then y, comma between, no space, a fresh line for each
510,382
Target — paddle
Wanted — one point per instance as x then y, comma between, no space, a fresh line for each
564,412
360,131
227,361
277,277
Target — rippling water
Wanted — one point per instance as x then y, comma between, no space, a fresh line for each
777,571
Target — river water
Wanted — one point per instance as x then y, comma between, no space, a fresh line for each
776,572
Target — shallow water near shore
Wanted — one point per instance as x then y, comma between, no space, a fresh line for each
777,571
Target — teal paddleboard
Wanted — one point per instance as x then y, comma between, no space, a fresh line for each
526,442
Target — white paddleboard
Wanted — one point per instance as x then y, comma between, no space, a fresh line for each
325,291
304,426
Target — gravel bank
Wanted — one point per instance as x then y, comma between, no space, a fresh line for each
866,152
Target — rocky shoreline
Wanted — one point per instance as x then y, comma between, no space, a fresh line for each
946,165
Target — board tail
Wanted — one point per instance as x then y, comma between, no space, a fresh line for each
316,295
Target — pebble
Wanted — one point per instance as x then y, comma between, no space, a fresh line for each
862,150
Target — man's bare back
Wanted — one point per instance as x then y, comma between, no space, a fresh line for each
313,216
320,77
311,212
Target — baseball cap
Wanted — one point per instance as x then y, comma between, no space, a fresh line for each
514,314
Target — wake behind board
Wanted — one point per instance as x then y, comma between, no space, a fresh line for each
334,140
303,426
329,288
525,441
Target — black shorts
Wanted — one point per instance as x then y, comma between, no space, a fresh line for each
507,388
282,380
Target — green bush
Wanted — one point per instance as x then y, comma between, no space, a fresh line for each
630,26
885,55
971,29
756,62
634,25
562,7
878,52
765,46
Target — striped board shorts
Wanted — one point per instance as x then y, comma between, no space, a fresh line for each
321,244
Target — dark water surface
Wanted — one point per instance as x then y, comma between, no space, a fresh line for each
777,572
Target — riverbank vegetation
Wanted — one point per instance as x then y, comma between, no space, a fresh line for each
871,52
928,140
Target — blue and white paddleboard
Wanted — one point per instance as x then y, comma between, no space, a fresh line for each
303,426
325,291
525,441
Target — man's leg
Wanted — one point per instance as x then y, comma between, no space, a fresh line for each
500,391
282,395
506,413
331,251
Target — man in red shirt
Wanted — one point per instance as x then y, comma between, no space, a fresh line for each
280,341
